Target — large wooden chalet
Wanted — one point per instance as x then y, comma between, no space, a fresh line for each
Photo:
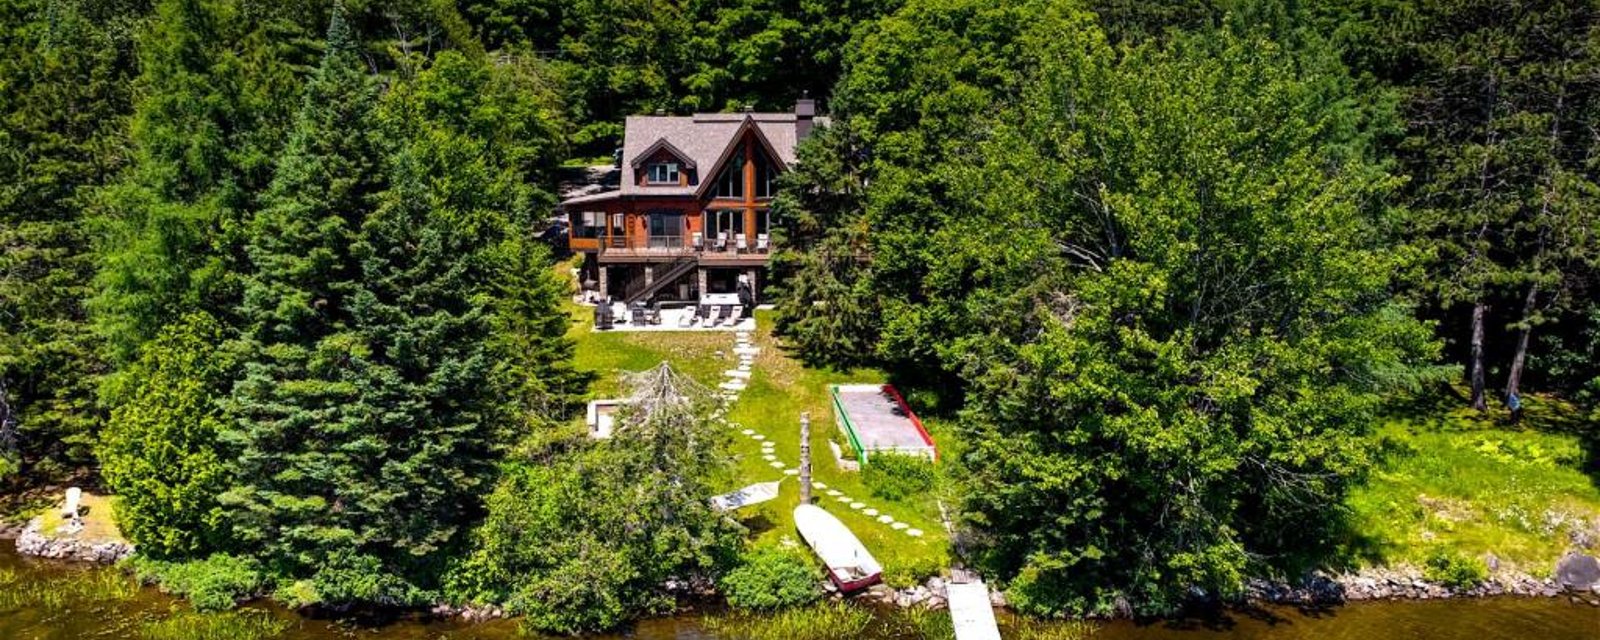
691,214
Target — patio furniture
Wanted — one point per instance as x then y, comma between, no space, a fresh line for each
741,243
725,312
736,316
722,241
688,317
763,241
698,241
653,315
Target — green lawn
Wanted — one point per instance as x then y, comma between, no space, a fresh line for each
1454,480
780,389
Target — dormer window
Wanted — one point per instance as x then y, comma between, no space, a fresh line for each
663,173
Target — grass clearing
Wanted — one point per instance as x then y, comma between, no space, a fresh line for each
780,389
1453,481
99,519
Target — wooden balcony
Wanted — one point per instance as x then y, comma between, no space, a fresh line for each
655,249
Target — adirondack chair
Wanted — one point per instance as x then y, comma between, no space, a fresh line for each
698,241
762,242
742,244
722,241
723,313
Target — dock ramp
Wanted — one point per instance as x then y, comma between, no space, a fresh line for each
970,611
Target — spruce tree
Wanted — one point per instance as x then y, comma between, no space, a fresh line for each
304,428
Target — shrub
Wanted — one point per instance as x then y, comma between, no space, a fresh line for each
770,577
894,476
1454,570
216,583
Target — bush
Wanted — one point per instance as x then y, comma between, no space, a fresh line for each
894,476
216,583
770,577
1454,570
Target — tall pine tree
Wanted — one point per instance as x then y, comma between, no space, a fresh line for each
304,432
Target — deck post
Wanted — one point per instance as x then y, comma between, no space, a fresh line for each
605,282
702,282
805,458
649,275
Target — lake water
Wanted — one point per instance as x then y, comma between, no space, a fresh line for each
1485,619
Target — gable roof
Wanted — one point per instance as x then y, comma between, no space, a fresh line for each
748,124
704,139
660,145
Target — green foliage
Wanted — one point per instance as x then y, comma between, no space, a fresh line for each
65,67
160,452
1454,570
401,326
897,477
218,582
216,87
586,535
1159,274
770,577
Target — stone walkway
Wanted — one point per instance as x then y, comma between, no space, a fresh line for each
737,380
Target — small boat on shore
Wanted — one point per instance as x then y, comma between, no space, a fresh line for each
850,566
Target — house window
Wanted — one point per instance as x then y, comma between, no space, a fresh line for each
663,173
766,176
590,224
730,184
730,221
666,228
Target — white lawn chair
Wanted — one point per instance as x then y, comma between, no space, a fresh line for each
722,241
762,241
698,240
741,243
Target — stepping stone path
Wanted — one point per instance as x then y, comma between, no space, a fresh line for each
737,379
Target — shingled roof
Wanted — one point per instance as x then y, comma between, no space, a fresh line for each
700,140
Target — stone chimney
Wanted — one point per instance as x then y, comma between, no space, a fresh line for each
805,111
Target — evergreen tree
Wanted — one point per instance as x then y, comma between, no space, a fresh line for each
65,67
1503,106
216,87
303,432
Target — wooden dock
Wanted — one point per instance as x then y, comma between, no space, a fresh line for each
970,611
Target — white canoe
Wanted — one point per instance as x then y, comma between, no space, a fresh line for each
850,565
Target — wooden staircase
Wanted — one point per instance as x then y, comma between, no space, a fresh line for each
661,279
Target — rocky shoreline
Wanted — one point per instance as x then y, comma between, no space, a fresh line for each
31,541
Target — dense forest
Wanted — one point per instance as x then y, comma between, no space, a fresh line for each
269,272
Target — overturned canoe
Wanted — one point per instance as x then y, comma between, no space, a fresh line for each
850,566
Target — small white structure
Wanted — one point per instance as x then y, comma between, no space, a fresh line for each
602,418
